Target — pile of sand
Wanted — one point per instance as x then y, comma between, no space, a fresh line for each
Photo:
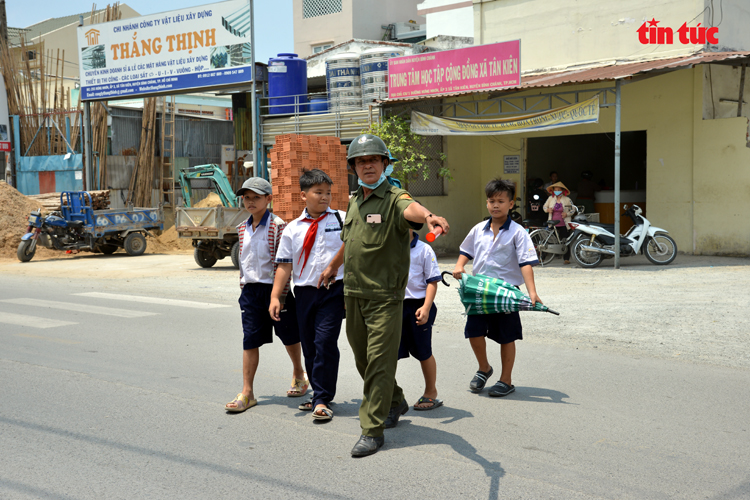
169,241
14,210
212,200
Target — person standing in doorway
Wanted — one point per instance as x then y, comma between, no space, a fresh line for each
553,178
560,208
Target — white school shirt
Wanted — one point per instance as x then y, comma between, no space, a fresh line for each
423,269
327,244
257,265
500,256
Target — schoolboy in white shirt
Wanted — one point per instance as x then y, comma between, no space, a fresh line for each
419,316
501,249
259,239
307,247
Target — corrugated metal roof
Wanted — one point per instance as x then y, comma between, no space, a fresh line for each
611,71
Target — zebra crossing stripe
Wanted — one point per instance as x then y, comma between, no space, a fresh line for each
79,308
153,300
31,321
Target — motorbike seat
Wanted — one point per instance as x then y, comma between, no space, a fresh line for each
608,227
76,224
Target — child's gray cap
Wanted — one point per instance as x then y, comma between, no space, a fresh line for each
256,184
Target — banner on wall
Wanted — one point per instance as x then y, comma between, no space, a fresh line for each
575,114
190,48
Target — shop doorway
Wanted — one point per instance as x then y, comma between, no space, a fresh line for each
573,155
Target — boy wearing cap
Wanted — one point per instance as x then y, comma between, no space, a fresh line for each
259,241
308,245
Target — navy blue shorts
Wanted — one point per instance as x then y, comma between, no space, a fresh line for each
501,327
416,339
257,325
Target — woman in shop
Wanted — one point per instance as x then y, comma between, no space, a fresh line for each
560,208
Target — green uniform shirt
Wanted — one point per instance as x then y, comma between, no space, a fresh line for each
376,254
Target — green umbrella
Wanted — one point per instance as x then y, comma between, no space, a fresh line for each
484,295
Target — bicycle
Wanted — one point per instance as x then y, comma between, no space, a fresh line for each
547,241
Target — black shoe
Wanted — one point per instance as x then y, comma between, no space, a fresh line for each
395,414
367,446
501,389
479,380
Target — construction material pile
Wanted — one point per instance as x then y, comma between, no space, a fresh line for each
14,209
51,201
292,153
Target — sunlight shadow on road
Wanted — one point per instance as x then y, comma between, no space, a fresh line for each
407,435
151,453
539,395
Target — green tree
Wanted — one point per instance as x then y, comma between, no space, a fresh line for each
408,147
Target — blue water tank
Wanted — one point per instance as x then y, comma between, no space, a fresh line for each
318,105
287,84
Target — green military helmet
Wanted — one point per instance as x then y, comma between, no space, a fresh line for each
366,145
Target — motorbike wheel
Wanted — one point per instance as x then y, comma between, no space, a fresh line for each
539,237
203,258
26,251
235,253
135,244
584,258
660,250
108,249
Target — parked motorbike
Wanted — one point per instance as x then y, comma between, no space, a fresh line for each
53,231
596,241
548,242
536,217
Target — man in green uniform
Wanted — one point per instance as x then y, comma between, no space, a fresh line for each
375,255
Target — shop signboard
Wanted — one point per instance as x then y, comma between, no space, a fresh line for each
485,67
190,48
575,114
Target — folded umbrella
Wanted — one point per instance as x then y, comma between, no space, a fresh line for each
484,295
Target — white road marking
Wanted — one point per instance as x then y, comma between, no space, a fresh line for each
31,321
153,300
83,308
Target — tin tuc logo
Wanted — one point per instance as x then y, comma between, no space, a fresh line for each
92,36
659,35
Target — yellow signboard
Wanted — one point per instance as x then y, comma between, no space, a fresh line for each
575,114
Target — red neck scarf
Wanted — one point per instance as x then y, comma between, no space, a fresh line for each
307,245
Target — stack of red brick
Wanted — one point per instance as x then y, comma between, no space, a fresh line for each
290,154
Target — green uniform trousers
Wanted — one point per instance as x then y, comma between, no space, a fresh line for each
373,328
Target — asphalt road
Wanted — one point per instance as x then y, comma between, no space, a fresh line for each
113,387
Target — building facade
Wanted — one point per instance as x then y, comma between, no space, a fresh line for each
684,125
322,24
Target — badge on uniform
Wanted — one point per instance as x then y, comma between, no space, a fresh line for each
374,219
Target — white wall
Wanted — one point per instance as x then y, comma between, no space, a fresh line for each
733,19
370,16
558,34
361,19
332,28
448,17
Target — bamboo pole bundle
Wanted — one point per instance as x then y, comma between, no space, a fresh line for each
142,180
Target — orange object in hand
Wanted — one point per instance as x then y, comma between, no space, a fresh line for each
432,235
